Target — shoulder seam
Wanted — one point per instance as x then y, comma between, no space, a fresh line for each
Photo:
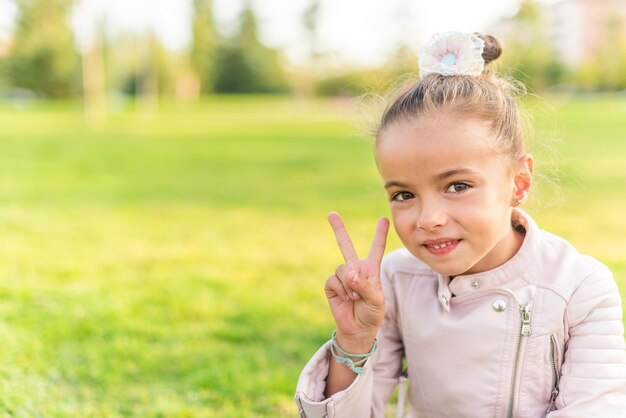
562,292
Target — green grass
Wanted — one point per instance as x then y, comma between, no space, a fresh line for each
173,266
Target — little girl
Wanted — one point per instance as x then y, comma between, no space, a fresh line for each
485,313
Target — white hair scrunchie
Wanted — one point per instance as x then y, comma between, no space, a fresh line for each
452,53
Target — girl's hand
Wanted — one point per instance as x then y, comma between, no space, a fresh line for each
354,292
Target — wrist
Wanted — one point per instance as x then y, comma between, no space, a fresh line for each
357,344
354,360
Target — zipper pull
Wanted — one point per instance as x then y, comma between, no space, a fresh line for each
525,311
555,393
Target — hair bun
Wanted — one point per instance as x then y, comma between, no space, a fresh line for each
492,49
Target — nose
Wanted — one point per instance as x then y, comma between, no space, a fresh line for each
432,214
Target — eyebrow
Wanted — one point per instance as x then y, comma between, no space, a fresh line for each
396,184
455,172
438,177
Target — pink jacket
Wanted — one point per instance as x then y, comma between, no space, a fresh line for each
540,336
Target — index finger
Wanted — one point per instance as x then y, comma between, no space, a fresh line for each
343,239
380,241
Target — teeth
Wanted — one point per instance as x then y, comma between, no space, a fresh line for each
441,245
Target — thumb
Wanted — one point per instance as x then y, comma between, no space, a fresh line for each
365,289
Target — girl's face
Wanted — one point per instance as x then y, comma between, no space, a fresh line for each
451,193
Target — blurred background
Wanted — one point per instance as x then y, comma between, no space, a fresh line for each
166,168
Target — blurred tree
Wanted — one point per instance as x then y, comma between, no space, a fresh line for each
42,56
606,68
205,41
534,62
148,81
139,66
402,62
310,20
353,82
304,79
404,58
244,64
94,73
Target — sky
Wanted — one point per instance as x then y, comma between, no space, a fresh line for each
359,31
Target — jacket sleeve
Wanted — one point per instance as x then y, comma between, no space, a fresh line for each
593,374
368,394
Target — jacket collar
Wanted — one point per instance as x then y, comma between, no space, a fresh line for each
510,270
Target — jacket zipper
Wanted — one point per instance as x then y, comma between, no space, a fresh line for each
525,331
556,378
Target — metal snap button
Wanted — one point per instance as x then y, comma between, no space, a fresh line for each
475,284
498,305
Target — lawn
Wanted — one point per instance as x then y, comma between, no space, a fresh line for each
173,266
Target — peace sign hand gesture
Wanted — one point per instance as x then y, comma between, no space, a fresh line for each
354,292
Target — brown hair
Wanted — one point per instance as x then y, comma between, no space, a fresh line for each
484,97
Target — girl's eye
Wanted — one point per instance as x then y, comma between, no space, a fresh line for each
401,196
457,187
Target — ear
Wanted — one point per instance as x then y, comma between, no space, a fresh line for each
523,179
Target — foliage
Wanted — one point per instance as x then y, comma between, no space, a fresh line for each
205,40
527,53
605,70
42,57
310,22
376,80
529,58
351,82
244,64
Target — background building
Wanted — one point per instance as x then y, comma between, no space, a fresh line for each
577,29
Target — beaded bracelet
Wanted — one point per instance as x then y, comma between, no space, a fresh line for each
355,366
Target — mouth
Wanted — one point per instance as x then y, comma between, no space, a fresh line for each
441,246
